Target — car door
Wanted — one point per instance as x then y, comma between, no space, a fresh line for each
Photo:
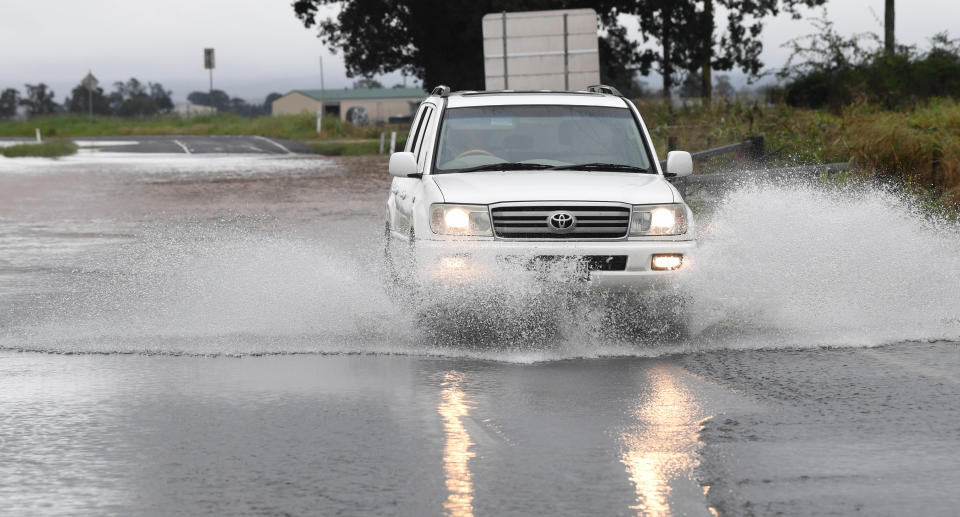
406,190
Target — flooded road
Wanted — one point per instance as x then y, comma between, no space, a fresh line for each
210,335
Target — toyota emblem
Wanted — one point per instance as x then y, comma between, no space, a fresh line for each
561,222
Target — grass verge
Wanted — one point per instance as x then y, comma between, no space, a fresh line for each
49,149
920,146
302,127
352,148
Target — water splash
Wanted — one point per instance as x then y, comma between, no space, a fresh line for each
779,265
795,264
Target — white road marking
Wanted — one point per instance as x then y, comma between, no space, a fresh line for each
284,149
105,143
185,149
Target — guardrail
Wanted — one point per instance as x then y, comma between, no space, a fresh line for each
751,148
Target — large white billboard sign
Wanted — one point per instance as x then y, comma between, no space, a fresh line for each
545,50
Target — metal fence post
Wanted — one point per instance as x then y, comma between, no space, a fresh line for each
754,147
506,83
382,136
566,55
393,141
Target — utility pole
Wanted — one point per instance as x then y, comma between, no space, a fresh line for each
320,111
889,44
321,74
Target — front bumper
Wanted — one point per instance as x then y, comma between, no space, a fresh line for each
470,260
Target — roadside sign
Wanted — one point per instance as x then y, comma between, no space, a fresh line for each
537,50
90,82
208,59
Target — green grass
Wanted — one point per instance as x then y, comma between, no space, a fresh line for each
920,145
300,127
49,149
354,147
365,147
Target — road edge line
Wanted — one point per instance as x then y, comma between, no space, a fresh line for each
281,146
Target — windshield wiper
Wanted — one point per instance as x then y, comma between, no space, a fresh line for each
513,166
599,166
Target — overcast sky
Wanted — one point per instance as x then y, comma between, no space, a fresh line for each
262,47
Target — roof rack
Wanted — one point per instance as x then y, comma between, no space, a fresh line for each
442,91
602,88
511,92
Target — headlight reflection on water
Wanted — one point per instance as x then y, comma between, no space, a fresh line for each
457,451
661,448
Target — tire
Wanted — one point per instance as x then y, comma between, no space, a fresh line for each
648,318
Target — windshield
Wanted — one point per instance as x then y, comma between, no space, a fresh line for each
528,137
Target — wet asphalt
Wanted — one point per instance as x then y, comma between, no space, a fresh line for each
209,335
188,144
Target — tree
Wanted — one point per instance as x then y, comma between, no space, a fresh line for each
134,99
79,101
161,98
674,25
828,69
685,31
215,98
692,86
9,100
741,46
723,87
268,102
419,37
621,62
366,83
39,100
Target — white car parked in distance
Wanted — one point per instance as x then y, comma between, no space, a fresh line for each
540,175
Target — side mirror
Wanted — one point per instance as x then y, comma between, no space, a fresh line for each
679,164
403,165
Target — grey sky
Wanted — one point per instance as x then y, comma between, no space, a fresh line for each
261,47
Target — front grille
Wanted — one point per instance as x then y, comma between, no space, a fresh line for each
593,221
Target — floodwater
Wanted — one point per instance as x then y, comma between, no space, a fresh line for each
211,335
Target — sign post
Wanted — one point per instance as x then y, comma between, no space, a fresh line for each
321,110
90,83
209,62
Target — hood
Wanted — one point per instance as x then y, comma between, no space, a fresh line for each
484,188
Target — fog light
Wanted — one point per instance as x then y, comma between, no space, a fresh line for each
453,262
666,262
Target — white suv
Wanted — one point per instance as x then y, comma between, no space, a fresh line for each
497,177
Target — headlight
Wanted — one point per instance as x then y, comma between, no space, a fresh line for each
460,219
659,219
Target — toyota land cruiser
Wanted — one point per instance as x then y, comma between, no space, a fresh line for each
496,177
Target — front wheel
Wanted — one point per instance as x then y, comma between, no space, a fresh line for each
649,318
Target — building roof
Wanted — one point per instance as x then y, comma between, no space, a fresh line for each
364,93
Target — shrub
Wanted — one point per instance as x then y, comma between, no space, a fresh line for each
49,149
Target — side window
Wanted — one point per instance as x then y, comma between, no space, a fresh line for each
421,136
415,129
